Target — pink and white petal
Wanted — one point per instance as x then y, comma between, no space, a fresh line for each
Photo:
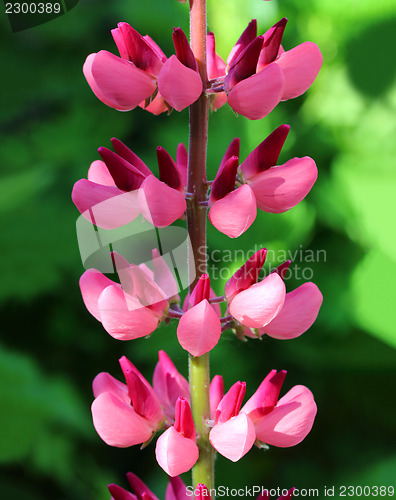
99,173
260,303
199,329
234,438
105,206
283,187
120,82
160,204
300,66
123,317
117,423
175,453
179,86
92,284
291,419
235,213
298,313
258,95
104,382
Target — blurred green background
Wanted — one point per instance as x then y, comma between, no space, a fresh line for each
51,348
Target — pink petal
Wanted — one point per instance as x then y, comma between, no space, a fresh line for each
300,66
118,493
266,397
272,42
184,423
245,65
182,161
117,423
139,488
105,206
201,290
199,329
258,95
160,204
291,419
163,275
234,438
183,49
244,40
224,181
176,489
122,150
235,213
247,275
298,313
216,65
266,154
175,453
282,187
125,175
260,303
216,394
120,42
99,173
123,317
179,86
169,384
168,171
92,284
156,106
104,382
231,403
117,82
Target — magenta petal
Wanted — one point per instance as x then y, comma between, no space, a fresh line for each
117,82
260,303
231,403
117,423
176,489
92,284
122,150
300,66
258,95
298,313
266,396
175,453
99,173
160,204
216,65
283,187
179,86
224,181
246,275
234,438
118,493
291,419
216,393
104,382
105,206
123,317
182,161
235,213
244,40
199,329
168,171
139,488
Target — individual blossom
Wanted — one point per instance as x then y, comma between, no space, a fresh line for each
259,73
253,303
176,450
126,414
238,190
134,307
298,313
284,422
263,419
176,490
121,186
199,328
143,75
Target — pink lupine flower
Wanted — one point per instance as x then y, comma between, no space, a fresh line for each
128,310
201,492
277,188
169,384
299,311
285,422
142,75
261,74
125,414
121,186
176,490
262,184
251,303
176,450
233,433
199,328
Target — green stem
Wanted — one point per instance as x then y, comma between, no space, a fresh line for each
203,470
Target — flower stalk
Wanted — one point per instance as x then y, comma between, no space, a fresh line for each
199,378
